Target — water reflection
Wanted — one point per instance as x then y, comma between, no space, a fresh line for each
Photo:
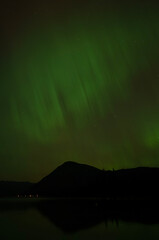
73,218
73,215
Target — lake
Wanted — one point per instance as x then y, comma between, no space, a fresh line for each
49,219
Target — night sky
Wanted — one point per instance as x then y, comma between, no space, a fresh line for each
79,81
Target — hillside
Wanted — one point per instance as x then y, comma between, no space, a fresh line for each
12,189
74,180
71,179
78,180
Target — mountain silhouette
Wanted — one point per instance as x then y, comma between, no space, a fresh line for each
71,180
80,196
74,180
79,180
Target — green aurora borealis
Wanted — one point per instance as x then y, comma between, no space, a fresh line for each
78,82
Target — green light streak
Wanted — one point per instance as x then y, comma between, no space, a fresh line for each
70,78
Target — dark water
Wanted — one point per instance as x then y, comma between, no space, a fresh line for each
43,219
